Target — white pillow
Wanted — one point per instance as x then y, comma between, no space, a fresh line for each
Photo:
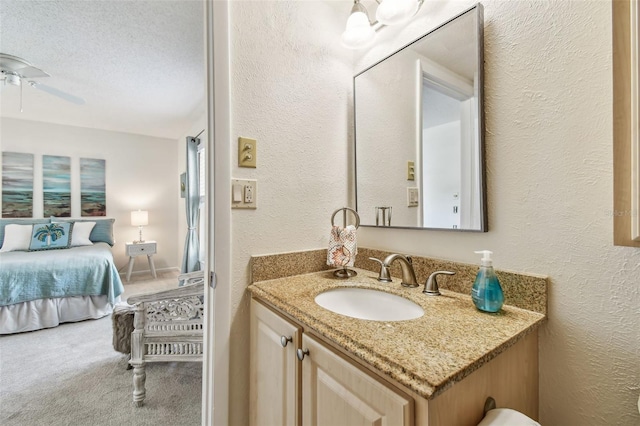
16,237
81,232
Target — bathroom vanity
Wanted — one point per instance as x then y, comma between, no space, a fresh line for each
313,366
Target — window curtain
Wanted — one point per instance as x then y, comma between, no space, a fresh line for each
191,258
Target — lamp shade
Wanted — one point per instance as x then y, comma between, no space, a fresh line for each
394,12
139,218
358,33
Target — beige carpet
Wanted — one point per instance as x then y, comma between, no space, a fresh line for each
70,375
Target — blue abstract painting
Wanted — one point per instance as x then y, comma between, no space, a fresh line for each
56,185
93,200
17,184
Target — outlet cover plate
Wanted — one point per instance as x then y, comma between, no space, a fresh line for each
413,197
243,204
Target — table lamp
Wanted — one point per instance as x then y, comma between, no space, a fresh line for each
139,218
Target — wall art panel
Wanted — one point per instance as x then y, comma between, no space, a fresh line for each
17,185
56,185
92,187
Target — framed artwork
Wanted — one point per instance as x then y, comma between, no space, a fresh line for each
17,185
56,186
92,187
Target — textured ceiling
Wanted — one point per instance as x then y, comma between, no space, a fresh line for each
138,64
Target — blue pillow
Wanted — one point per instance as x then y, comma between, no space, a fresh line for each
8,221
48,236
101,233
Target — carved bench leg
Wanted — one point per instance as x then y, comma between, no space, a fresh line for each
137,357
139,378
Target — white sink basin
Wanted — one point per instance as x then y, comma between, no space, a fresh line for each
368,304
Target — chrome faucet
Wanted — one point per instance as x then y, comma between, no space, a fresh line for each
384,275
408,274
431,286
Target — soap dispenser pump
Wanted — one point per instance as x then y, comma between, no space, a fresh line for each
486,292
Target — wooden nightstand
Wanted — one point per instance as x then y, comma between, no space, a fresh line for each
147,248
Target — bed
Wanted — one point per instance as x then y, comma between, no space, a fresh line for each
42,289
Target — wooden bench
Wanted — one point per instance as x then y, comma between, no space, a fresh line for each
167,327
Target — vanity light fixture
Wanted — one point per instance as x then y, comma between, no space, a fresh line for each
395,12
360,31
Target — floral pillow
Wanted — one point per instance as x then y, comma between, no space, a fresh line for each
51,236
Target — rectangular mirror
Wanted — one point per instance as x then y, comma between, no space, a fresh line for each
419,132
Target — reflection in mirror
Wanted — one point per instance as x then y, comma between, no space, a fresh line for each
419,127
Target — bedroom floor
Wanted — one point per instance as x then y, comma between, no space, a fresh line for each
71,374
145,283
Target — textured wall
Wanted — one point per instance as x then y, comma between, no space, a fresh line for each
290,90
141,173
549,178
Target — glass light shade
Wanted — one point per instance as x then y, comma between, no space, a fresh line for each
140,218
358,33
394,12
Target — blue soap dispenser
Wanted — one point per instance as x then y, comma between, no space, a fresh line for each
486,291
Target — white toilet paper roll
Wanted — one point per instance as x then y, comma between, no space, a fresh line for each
506,417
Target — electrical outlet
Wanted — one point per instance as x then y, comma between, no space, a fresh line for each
248,194
413,197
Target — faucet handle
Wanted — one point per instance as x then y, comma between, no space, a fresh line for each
384,274
431,286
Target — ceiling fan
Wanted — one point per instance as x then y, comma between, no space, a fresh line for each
16,71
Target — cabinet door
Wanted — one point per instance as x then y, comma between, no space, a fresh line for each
274,369
337,393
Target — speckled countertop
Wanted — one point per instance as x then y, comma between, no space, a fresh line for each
428,354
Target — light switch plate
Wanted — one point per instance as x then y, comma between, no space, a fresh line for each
247,152
244,193
411,170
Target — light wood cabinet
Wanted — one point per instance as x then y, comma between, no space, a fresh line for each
274,369
322,389
328,387
335,392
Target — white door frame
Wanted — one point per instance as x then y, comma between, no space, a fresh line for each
215,371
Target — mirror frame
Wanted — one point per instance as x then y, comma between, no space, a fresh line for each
626,104
484,219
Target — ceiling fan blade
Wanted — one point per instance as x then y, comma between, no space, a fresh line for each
59,93
31,72
15,65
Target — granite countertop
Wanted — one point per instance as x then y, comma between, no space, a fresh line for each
428,354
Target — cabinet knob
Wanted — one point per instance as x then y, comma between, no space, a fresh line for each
301,353
285,340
